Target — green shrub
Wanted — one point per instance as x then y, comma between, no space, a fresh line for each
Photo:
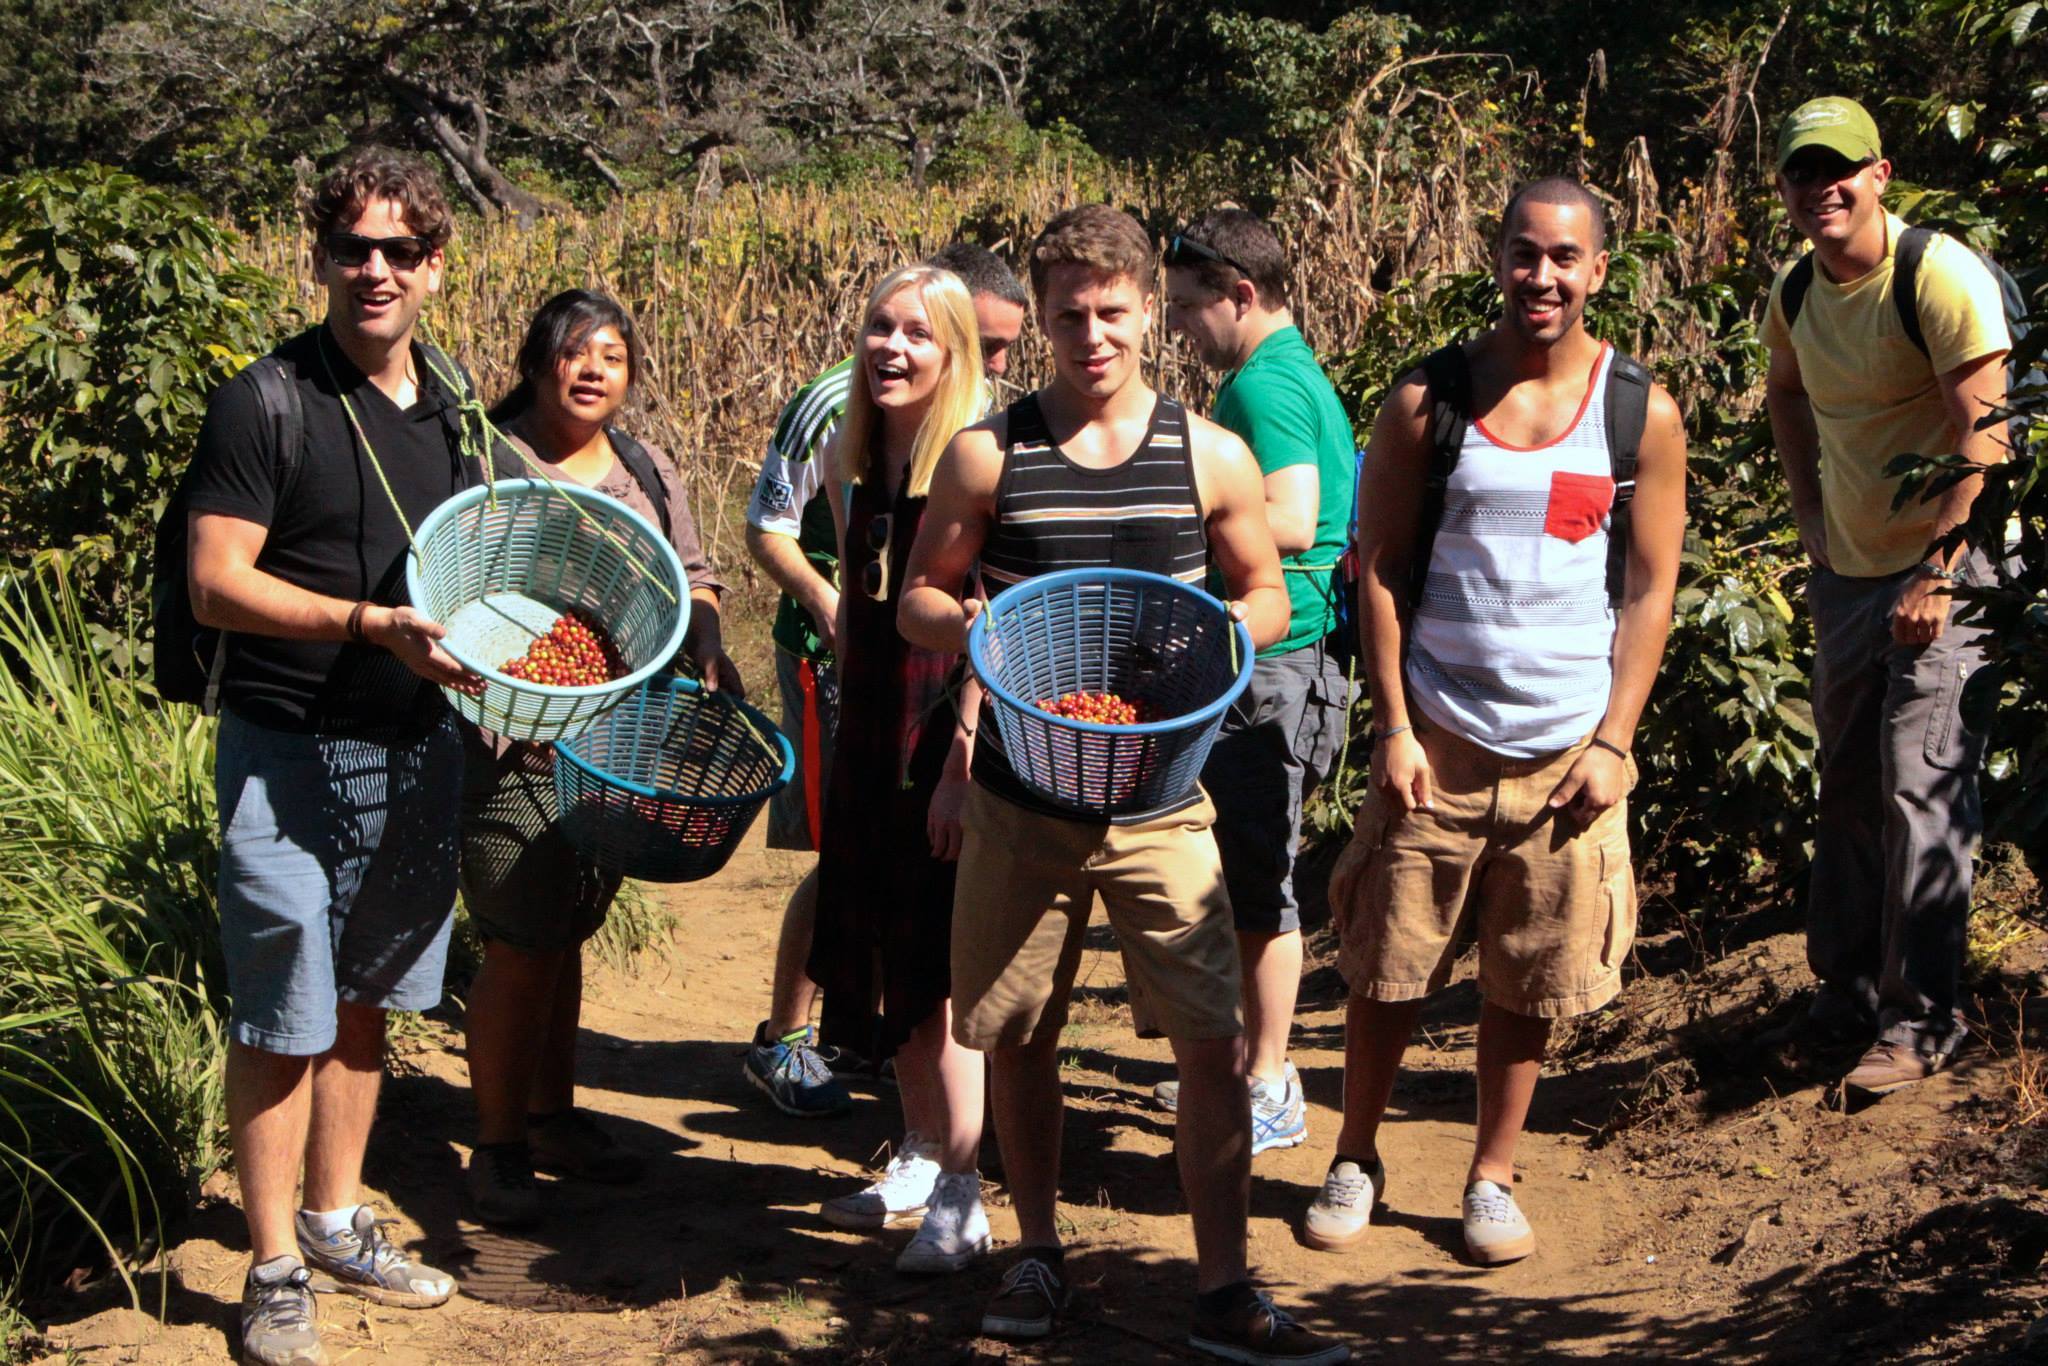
111,987
126,314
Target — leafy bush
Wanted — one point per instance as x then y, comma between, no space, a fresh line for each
127,312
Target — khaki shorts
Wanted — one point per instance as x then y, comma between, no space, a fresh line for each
1026,887
1553,906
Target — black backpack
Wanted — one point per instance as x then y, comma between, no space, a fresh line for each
1906,256
1626,410
186,658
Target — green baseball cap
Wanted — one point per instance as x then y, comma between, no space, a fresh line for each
1834,122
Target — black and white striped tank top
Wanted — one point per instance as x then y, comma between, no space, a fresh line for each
1051,513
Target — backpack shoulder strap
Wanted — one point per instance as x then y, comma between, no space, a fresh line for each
278,391
1448,372
645,473
1626,413
1792,297
1906,259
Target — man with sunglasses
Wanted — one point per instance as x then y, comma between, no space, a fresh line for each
1226,293
1851,388
790,535
338,763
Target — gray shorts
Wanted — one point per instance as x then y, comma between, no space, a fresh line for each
337,877
809,718
1278,741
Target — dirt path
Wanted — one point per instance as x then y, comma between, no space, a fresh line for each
1713,1236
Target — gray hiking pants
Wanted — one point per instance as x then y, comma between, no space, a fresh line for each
1889,906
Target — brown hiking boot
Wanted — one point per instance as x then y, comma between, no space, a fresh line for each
1887,1066
1260,1333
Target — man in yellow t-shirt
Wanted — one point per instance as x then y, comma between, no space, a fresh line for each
1850,389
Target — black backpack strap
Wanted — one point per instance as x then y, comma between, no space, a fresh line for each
645,473
278,392
1906,256
1448,372
1798,280
1626,413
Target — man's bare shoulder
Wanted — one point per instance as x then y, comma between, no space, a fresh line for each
1215,445
976,452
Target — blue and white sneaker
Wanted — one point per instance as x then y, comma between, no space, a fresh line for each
795,1079
1279,1113
362,1261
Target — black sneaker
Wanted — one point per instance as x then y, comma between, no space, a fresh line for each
1031,1296
278,1327
1259,1333
501,1185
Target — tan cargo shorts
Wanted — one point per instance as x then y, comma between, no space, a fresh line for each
1026,888
1551,905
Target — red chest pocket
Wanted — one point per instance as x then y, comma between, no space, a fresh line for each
1578,504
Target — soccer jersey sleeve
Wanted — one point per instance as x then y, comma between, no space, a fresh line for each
1962,314
783,489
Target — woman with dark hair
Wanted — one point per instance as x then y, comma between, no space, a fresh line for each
532,897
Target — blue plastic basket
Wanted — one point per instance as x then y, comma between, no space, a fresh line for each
1151,640
664,786
497,564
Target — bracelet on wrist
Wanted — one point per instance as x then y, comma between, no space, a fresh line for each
355,622
1616,750
1382,736
1933,570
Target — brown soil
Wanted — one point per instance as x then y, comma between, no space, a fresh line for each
1689,1202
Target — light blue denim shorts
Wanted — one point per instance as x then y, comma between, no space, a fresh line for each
337,876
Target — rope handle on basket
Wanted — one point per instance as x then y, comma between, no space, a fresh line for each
471,406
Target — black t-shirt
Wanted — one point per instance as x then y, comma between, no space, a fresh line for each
334,533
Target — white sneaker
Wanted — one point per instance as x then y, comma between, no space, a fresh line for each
955,1227
1495,1230
898,1196
1342,1209
1279,1113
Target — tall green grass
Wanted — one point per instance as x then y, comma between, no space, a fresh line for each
110,980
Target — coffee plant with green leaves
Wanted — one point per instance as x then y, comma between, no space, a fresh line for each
125,311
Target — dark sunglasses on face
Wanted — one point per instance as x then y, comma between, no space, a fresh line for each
351,251
874,575
1823,170
1186,251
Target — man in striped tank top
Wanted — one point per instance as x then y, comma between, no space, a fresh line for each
1507,678
1097,470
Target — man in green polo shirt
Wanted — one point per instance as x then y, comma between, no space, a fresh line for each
1226,293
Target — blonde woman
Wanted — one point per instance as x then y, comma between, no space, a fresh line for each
891,828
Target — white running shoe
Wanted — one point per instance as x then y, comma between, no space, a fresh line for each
898,1196
955,1227
1342,1209
1495,1230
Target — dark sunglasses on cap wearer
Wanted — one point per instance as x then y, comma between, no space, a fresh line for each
1822,170
1185,251
874,575
351,251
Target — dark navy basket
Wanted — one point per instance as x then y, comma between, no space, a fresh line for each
663,786
1154,641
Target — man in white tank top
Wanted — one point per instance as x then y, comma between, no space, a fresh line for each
1506,686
